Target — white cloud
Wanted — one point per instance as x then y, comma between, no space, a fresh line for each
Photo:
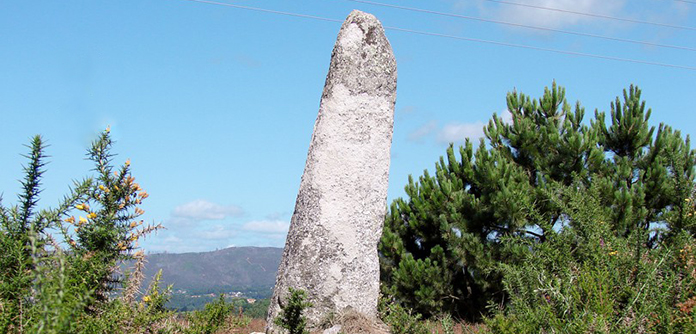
185,234
276,216
171,239
407,110
458,132
506,115
267,226
557,19
218,232
203,238
462,5
423,131
203,210
247,60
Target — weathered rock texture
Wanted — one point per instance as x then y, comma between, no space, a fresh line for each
331,249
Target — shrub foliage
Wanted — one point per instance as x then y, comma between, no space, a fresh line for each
66,283
291,317
551,216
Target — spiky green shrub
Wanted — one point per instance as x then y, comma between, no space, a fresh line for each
64,286
290,316
587,279
217,315
442,245
127,315
400,319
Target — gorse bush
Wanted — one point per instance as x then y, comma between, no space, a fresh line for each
291,317
218,315
52,286
586,279
399,319
552,225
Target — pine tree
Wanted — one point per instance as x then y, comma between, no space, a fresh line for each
440,245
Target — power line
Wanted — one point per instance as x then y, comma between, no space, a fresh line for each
425,33
595,15
530,47
524,25
304,16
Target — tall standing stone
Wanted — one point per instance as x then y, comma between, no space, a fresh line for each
331,248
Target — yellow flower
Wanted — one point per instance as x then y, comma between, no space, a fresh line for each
612,253
139,211
128,162
144,195
70,219
147,299
80,207
72,242
108,129
688,199
92,215
133,224
82,221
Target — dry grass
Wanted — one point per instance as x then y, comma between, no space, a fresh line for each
351,323
355,322
459,328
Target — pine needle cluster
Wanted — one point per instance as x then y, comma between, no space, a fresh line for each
460,239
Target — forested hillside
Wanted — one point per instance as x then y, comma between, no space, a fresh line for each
249,270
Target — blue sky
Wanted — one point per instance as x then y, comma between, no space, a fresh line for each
215,105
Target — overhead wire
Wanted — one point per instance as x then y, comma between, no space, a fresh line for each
594,15
305,16
425,33
531,47
618,39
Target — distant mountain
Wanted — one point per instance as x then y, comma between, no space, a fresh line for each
251,270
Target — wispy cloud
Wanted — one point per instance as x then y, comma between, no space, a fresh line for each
407,109
458,132
267,226
202,238
218,232
557,19
423,131
506,116
542,17
247,60
204,210
201,225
